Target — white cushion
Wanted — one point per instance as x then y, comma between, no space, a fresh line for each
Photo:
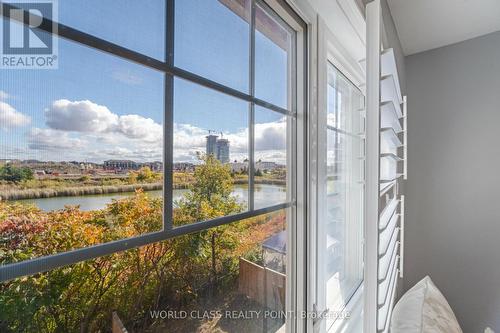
423,309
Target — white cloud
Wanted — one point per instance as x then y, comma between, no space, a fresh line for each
278,156
238,142
80,116
271,136
268,136
90,131
10,117
88,117
12,151
186,155
120,152
98,133
188,140
136,127
187,136
270,141
3,95
49,139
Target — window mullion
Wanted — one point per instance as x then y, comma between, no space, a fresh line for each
251,118
168,121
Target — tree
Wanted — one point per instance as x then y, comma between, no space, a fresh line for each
84,178
166,274
80,297
12,174
210,196
132,177
145,174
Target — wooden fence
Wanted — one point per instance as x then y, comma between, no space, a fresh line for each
265,286
117,325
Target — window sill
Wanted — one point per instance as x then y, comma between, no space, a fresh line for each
354,323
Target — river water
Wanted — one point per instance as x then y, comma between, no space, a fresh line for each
265,195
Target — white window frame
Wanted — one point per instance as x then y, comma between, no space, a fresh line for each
330,50
297,213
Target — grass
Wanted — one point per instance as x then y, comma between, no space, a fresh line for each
35,193
86,185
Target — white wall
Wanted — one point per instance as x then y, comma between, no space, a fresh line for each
453,189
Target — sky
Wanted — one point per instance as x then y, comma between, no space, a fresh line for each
96,106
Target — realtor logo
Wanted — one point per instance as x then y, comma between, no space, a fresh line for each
28,34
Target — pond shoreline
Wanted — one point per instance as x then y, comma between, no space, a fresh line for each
39,193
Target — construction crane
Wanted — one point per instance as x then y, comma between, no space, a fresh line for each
210,131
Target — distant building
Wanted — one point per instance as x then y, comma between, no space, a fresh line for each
223,150
262,165
212,145
239,166
219,148
121,165
154,166
183,166
124,165
87,166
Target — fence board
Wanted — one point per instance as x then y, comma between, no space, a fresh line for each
264,285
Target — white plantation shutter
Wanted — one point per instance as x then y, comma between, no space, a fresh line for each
386,166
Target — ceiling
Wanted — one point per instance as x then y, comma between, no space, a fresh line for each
427,24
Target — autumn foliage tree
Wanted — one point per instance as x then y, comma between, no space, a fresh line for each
79,298
143,175
210,196
163,275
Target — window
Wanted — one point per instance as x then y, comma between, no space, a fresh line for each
203,32
271,157
344,189
160,156
179,125
176,276
209,122
131,22
274,47
85,134
82,135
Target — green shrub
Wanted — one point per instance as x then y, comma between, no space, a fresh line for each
13,174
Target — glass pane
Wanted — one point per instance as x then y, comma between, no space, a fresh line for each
273,59
212,39
72,141
344,197
271,157
136,25
210,141
186,284
345,104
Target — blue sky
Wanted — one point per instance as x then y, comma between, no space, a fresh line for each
96,106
